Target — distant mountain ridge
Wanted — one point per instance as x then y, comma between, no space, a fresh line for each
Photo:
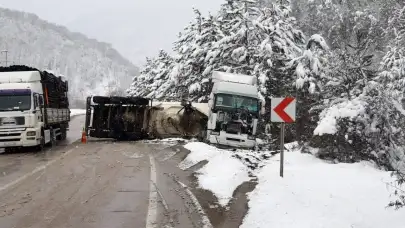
92,67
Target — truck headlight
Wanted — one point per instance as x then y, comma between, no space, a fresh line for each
31,133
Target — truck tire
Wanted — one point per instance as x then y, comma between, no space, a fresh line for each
63,133
202,137
53,138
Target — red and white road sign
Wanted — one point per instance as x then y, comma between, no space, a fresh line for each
283,109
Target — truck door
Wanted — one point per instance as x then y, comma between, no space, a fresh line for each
37,108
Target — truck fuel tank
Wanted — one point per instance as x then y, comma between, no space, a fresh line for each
174,119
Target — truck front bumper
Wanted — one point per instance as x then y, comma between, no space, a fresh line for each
232,140
17,137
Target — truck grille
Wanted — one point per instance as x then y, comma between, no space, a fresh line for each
12,121
2,134
10,140
233,128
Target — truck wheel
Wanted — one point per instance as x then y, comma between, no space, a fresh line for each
53,137
202,136
63,134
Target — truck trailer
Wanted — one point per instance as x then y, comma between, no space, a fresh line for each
34,107
133,118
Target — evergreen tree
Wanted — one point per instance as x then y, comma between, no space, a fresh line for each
154,79
196,63
392,79
278,42
310,69
161,87
236,48
347,86
146,77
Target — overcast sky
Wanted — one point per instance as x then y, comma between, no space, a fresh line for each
136,28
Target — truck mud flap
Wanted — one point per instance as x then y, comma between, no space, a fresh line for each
88,115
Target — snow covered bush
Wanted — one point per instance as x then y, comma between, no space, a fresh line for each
310,68
361,112
392,77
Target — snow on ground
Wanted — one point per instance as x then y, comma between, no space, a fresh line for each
221,175
314,194
77,112
167,141
253,159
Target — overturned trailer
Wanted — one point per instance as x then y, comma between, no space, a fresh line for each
134,118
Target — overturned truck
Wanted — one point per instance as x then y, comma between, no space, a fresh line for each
229,119
135,118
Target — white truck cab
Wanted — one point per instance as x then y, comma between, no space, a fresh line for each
25,120
234,110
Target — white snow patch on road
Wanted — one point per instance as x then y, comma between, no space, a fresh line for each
221,175
167,141
315,194
77,112
199,152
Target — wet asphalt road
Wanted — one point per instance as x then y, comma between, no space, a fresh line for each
98,184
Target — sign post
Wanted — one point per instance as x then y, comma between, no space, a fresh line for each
283,111
282,133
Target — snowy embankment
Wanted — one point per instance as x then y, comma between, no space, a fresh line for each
221,175
313,193
77,112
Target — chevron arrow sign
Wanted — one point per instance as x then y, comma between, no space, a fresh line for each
283,110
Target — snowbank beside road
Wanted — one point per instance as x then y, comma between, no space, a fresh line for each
221,175
77,112
315,194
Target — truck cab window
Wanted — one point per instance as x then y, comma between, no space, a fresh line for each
41,100
233,101
11,100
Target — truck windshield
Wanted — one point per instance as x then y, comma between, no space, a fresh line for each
234,101
12,100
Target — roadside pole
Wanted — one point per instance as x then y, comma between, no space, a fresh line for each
283,111
282,132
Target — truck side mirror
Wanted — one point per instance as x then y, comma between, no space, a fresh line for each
41,101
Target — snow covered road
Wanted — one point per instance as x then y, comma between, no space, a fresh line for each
174,183
98,184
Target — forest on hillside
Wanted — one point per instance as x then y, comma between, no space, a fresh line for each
344,61
91,67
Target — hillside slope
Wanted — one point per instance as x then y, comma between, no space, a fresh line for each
92,67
